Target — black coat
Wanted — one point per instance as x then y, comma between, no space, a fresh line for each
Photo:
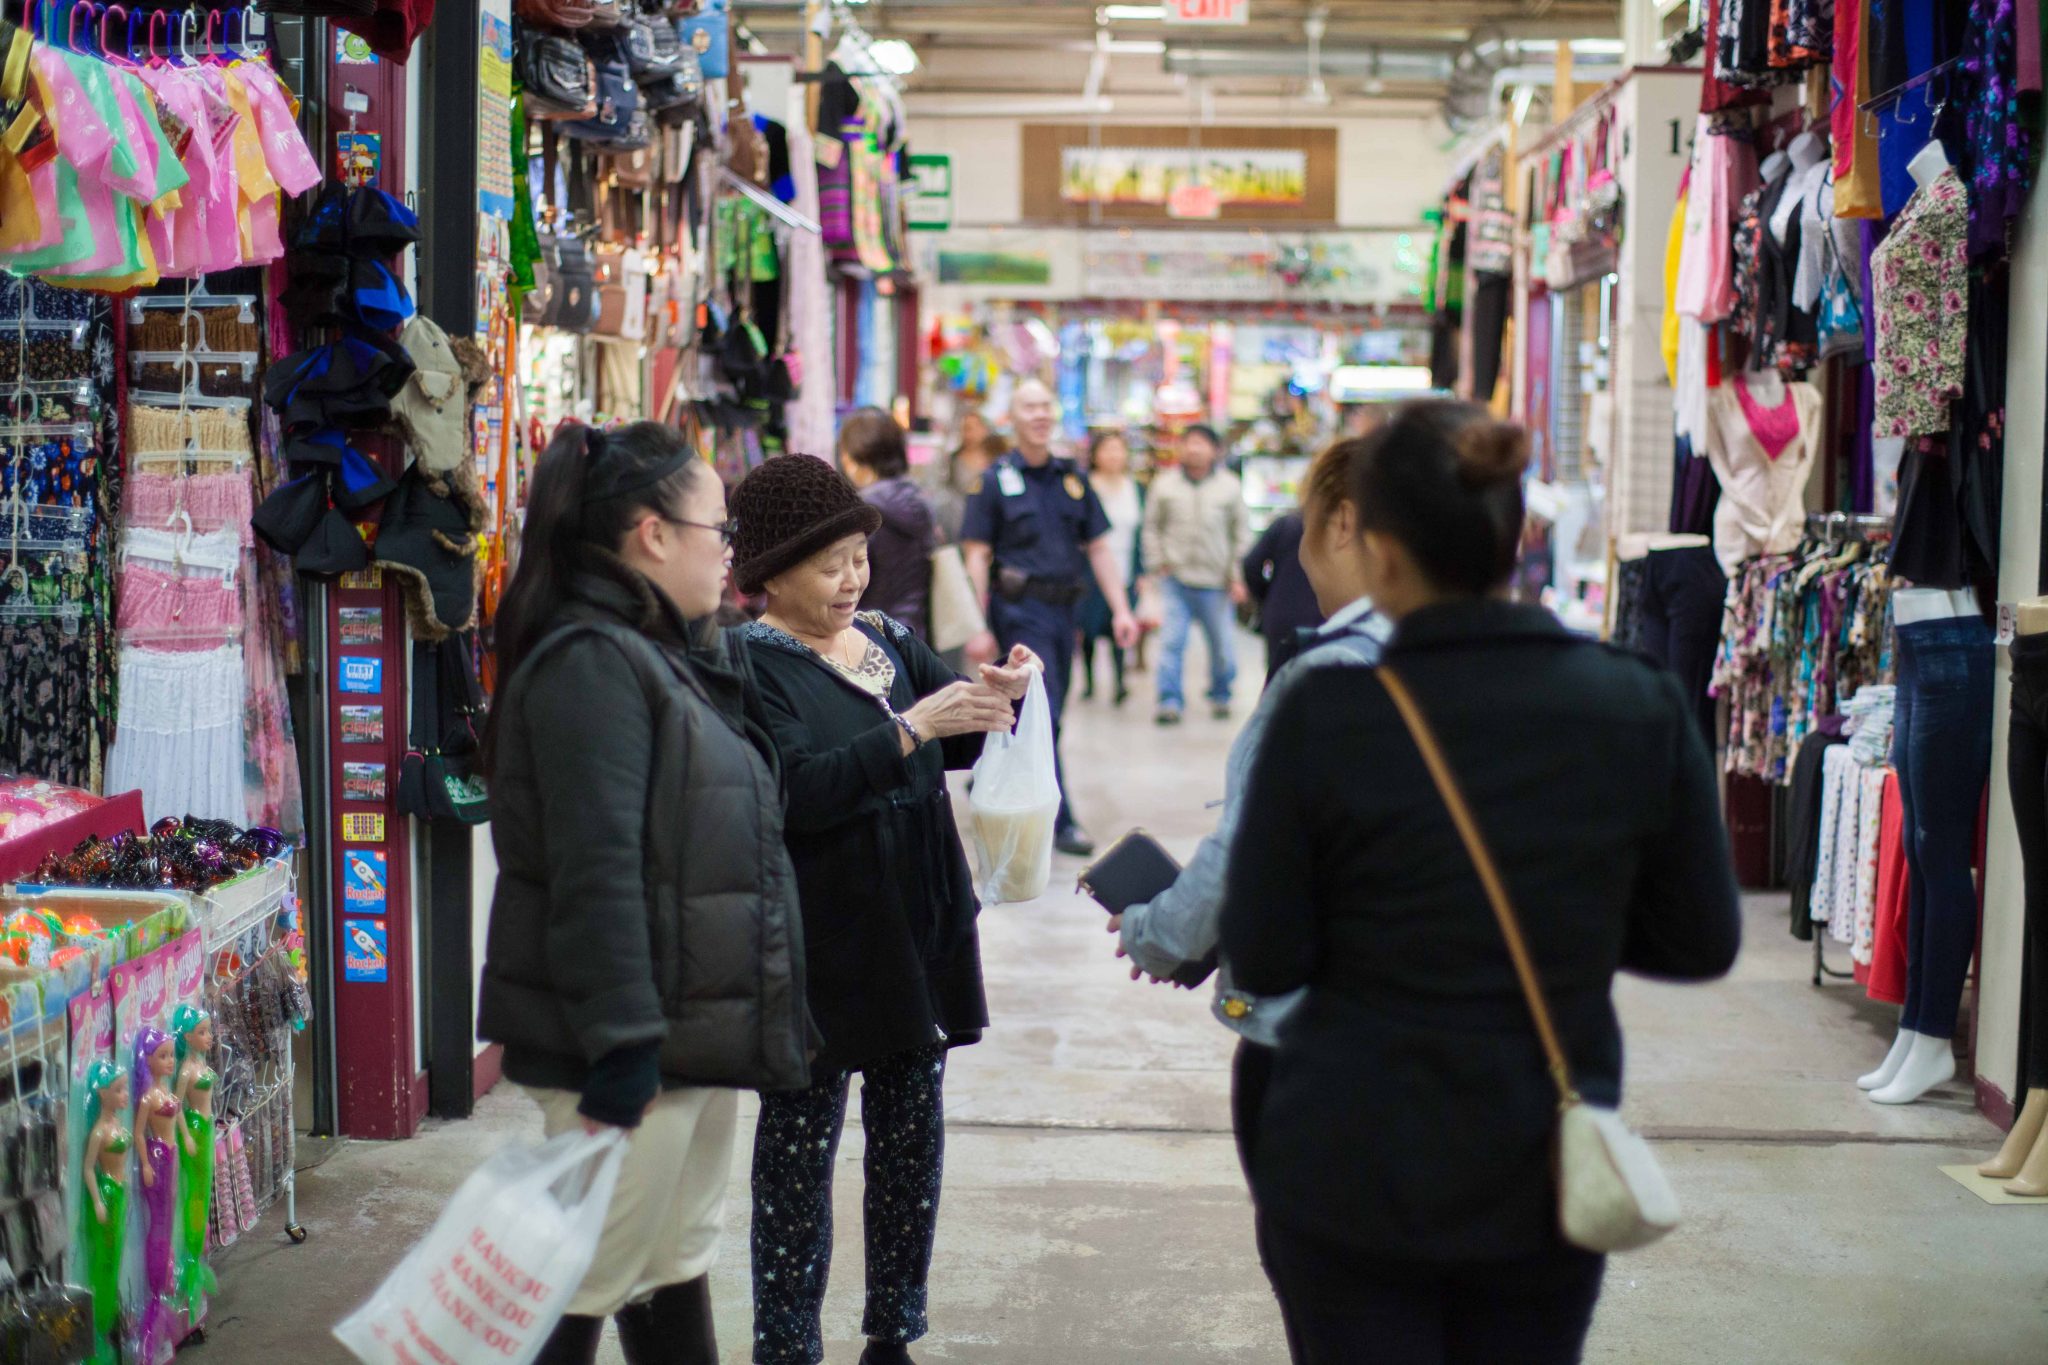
1411,1113
1278,583
888,900
645,902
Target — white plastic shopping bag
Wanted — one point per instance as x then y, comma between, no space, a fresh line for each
1015,803
496,1271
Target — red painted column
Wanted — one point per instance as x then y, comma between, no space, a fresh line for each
382,1088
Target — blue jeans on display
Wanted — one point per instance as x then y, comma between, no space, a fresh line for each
1211,607
1941,746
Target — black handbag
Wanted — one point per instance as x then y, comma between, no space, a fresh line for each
664,50
435,780
618,98
574,283
558,76
637,36
677,94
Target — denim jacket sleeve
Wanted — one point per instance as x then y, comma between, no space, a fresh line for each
1183,923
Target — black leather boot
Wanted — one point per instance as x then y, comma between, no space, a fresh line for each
573,1342
672,1328
886,1353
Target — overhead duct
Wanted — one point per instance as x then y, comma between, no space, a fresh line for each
1484,71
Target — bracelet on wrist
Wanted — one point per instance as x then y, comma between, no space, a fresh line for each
916,739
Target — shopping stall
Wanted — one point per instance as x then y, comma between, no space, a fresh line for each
1803,453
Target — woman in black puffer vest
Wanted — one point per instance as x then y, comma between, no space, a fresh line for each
645,953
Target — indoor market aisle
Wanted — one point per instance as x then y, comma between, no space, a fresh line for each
1094,1214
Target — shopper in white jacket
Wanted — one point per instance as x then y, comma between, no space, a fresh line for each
1182,925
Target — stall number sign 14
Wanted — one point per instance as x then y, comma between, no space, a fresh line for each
1208,11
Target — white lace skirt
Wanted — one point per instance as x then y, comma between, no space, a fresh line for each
179,736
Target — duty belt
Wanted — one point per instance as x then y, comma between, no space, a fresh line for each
1015,585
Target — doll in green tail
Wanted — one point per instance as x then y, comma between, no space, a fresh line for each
193,1028
103,1212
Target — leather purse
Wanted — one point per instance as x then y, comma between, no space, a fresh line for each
676,94
606,13
563,14
573,285
621,274
1611,1193
705,33
559,79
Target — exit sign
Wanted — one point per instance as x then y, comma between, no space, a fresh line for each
1208,11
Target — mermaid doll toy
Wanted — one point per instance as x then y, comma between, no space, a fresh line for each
158,1123
103,1214
193,1029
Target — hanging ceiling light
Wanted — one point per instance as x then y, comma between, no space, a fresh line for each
894,56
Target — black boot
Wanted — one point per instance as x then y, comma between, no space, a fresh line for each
573,1342
672,1328
886,1353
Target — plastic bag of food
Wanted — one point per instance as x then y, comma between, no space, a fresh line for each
1015,804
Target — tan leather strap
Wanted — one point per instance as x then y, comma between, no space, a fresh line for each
1489,877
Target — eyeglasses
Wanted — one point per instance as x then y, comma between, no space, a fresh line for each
726,529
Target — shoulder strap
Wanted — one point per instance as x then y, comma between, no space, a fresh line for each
1489,877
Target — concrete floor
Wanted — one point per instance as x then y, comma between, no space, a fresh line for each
1094,1212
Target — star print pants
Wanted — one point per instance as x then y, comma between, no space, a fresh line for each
795,1148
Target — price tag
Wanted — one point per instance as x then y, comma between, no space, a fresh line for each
2008,622
355,102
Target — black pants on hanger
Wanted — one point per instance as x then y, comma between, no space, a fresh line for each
2027,771
1683,593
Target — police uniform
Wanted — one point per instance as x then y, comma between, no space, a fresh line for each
1040,523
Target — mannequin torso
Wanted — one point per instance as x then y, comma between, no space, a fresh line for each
1928,163
1912,605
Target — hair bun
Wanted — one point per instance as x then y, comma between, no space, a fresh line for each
1491,452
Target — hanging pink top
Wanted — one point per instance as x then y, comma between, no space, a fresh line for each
163,605
1773,428
179,234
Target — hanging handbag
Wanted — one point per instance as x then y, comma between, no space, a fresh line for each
562,14
705,34
638,37
1611,1193
618,99
675,94
559,80
574,285
434,778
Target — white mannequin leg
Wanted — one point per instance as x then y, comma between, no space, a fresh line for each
1931,1062
1889,1067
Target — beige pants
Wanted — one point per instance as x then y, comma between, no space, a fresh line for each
669,1208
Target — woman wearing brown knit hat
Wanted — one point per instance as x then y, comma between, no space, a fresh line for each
867,720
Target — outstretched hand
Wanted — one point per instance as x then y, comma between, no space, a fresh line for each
1013,677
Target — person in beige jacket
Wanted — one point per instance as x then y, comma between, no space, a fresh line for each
1196,531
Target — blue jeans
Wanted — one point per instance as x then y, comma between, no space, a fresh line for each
1185,606
1941,746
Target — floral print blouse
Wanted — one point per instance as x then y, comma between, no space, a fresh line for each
1920,278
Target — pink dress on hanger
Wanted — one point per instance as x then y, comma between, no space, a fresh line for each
178,234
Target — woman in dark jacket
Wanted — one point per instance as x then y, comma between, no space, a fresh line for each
645,952
872,453
1407,1210
867,720
1277,581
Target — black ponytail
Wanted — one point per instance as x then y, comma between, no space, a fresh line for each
1445,479
589,489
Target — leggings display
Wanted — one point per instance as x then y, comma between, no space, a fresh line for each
2027,771
1941,748
797,1141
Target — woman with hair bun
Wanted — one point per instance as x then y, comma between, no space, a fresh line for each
1401,1168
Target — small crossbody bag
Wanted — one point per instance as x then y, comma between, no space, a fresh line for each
1611,1193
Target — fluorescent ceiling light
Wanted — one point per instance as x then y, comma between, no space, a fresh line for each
894,56
1599,47
1135,47
1131,13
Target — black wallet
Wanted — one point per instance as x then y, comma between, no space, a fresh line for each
1135,870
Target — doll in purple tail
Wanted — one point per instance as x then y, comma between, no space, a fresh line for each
157,1117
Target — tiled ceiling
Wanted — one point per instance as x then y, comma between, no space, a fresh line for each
1390,56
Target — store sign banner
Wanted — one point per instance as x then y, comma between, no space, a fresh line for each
1208,12
1329,267
1006,263
494,110
931,193
1249,177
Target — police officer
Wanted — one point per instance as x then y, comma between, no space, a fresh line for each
1032,534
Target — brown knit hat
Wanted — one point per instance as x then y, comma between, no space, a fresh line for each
789,508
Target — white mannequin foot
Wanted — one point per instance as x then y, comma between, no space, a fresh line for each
1931,1062
1889,1067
